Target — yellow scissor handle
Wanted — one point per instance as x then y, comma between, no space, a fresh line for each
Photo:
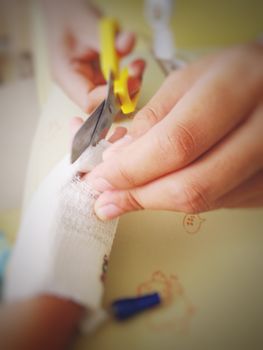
109,61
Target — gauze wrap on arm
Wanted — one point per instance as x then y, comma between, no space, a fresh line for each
61,243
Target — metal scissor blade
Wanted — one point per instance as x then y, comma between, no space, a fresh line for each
97,125
83,137
110,109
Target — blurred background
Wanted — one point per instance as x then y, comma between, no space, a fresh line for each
19,108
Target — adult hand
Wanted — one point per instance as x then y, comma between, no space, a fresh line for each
74,52
196,146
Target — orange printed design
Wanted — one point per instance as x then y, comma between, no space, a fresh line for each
192,223
176,310
104,268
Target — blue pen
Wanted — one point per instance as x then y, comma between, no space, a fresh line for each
121,310
125,308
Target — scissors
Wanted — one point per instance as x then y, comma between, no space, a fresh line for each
117,99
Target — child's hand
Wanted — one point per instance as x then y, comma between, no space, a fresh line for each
196,146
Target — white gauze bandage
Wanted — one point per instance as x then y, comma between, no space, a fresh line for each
61,243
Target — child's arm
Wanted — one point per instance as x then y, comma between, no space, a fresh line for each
45,322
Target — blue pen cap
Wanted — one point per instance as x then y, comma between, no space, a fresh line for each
128,307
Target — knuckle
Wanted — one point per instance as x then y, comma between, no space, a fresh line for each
186,143
126,175
180,143
144,120
149,114
166,148
194,199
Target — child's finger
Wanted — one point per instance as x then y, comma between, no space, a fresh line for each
118,133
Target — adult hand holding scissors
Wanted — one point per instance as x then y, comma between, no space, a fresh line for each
196,146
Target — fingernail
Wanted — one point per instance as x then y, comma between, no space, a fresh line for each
126,139
101,185
107,212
